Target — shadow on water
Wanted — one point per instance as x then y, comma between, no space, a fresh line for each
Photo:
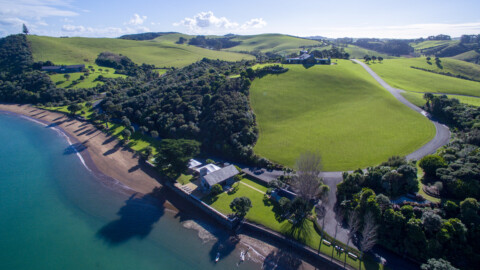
224,245
137,218
280,259
74,148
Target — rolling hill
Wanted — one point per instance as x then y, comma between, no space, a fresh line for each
338,110
277,43
160,53
399,74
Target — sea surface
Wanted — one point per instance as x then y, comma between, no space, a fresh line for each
54,214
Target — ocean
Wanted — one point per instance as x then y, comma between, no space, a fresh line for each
54,214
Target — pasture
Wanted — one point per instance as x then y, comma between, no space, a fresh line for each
417,99
399,74
338,110
77,50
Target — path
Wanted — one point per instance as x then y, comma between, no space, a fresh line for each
254,188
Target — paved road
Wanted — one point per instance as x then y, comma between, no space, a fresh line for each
441,138
442,135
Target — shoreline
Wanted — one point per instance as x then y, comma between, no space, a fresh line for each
119,168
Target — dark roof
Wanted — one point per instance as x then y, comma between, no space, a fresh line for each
221,175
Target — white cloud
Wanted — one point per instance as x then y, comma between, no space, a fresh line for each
80,30
207,22
14,13
137,19
399,31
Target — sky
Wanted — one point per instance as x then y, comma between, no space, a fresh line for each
346,18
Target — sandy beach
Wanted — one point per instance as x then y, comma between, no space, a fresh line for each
105,152
118,166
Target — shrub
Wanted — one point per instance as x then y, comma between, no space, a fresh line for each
284,204
210,161
430,164
237,178
216,189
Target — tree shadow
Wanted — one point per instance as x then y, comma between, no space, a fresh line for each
109,140
134,168
137,217
74,148
225,245
299,231
280,259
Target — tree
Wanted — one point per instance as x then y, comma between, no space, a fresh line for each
25,29
300,208
353,222
431,222
469,211
126,134
216,189
383,201
307,183
148,152
240,206
173,155
369,233
430,164
74,108
67,76
284,204
380,59
154,134
437,264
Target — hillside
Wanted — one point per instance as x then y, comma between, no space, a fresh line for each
399,74
338,110
85,50
272,43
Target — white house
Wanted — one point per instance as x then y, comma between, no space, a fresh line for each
222,176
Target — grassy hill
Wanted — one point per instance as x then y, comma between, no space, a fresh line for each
432,44
470,56
417,99
399,74
160,53
271,43
88,81
338,110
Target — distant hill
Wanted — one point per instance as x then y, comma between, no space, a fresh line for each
145,36
277,43
160,53
457,49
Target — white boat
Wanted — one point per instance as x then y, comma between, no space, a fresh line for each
218,257
242,256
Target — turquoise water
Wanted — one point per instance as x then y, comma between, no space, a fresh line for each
54,214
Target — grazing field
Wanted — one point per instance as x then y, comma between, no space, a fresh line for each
417,99
78,50
272,43
470,56
428,44
338,110
88,82
399,74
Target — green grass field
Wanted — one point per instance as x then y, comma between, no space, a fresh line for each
271,43
78,50
431,44
263,213
397,73
417,99
90,81
338,110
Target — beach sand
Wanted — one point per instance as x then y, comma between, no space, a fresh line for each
121,167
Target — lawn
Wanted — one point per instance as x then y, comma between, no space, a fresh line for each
90,81
184,179
338,110
263,213
399,74
417,99
162,53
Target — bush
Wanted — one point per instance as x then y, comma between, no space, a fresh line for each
216,189
284,204
430,164
210,161
237,178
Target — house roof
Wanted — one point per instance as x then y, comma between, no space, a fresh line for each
62,67
221,175
209,168
193,163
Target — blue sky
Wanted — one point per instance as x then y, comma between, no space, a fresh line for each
352,18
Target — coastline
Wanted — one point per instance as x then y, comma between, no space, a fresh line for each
120,169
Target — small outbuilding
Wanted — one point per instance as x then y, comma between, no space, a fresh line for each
223,176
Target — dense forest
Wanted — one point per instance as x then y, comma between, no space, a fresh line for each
145,36
213,43
394,47
198,102
419,229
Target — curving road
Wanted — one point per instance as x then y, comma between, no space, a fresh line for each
442,135
441,138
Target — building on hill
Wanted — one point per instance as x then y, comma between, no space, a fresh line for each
222,176
64,69
306,58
